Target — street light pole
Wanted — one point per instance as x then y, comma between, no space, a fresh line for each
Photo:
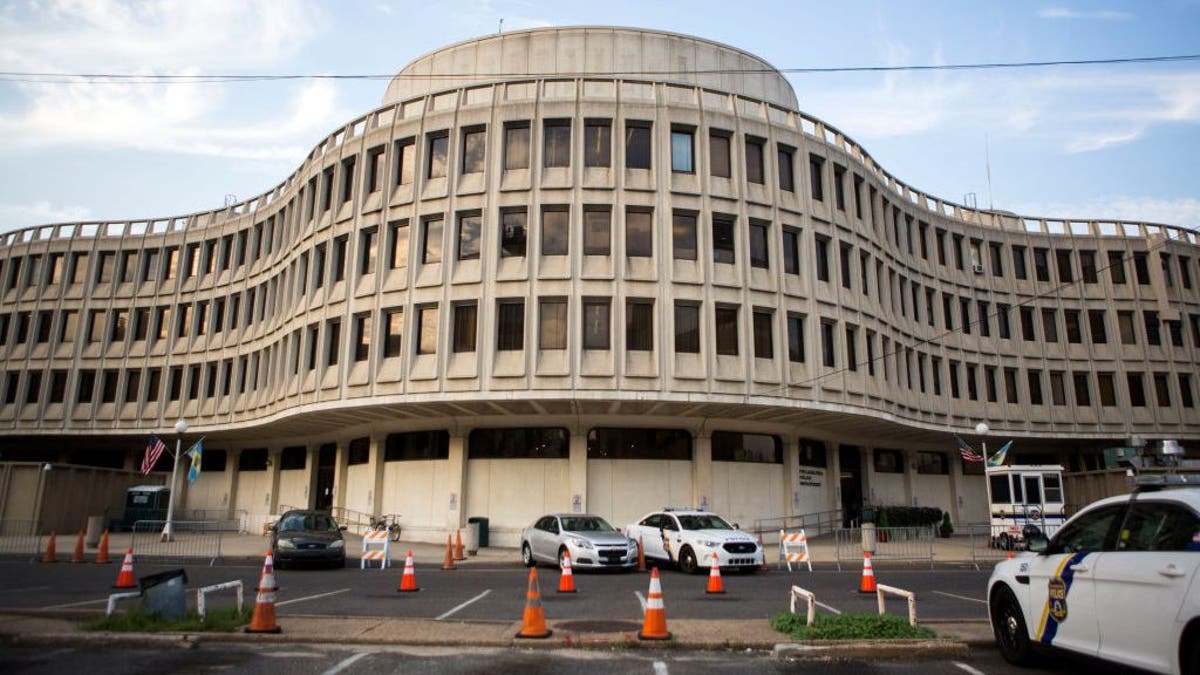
982,429
168,532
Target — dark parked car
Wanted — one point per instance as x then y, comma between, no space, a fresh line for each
308,537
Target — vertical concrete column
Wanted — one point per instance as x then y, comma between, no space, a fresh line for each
910,469
577,471
791,487
375,467
340,468
231,481
702,483
833,477
956,476
274,454
310,468
456,481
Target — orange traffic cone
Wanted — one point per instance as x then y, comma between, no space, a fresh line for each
458,546
125,576
1010,555
566,582
408,582
533,624
448,562
654,623
77,555
641,555
48,556
263,620
714,578
102,554
868,575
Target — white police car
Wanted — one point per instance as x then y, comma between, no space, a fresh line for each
1118,581
689,538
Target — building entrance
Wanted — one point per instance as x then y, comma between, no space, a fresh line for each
326,459
850,463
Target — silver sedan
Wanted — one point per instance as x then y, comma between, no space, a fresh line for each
591,541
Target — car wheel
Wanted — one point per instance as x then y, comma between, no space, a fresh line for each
1008,624
1189,657
527,555
395,534
687,561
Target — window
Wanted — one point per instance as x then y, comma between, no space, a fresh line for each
406,151
427,329
828,348
374,176
816,168
639,233
415,446
469,227
1074,328
637,145
1185,274
759,256
431,252
510,325
754,160
133,386
729,446
1087,533
687,328
847,254
366,251
347,193
1041,264
1087,267
839,195
556,143
1049,325
474,147
682,151
723,238
596,323
512,233
683,235
1096,326
726,319
1028,331
1018,254
338,270
362,337
1083,392
465,328
1153,328
556,228
1125,328
605,443
1141,268
597,143
1116,267
639,325
1162,390
597,230
1010,385
439,146
1157,526
1185,390
764,339
787,180
393,330
889,461
997,260
1035,387
129,264
1137,392
791,252
933,463
795,334
1062,260
552,326
852,348
718,154
398,247
1108,390
821,247
333,342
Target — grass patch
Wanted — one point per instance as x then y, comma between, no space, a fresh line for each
849,627
224,620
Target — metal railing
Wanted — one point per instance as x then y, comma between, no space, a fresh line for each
984,550
814,525
355,521
20,537
892,544
192,540
225,520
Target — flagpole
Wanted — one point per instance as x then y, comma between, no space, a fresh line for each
168,532
982,429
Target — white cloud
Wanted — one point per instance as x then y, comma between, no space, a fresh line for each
14,216
1183,211
1099,14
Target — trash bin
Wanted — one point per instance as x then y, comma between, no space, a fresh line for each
472,538
868,537
164,594
95,525
483,529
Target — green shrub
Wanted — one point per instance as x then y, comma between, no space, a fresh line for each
908,516
137,621
849,627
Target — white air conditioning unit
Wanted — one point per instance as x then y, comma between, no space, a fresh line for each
978,268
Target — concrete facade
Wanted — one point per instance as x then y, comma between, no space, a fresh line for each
595,269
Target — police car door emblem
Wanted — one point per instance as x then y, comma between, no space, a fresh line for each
1057,590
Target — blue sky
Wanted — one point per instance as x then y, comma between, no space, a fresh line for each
1083,142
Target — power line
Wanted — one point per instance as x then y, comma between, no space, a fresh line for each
148,78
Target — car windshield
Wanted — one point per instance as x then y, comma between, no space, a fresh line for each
704,522
307,522
586,524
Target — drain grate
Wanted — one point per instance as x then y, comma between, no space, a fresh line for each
598,626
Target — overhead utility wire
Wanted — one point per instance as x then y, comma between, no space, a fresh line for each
49,77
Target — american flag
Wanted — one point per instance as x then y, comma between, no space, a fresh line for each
154,450
968,453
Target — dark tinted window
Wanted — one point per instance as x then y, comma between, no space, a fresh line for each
1088,532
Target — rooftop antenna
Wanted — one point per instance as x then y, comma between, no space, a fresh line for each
500,29
987,154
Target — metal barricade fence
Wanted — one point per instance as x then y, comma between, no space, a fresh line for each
222,519
983,544
892,544
20,537
192,540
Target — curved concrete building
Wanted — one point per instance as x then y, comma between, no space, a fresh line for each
599,269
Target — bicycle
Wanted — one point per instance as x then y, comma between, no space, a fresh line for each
389,523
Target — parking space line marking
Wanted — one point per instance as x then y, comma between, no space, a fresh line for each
961,597
77,604
969,669
641,599
660,668
311,597
455,609
345,663
828,607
